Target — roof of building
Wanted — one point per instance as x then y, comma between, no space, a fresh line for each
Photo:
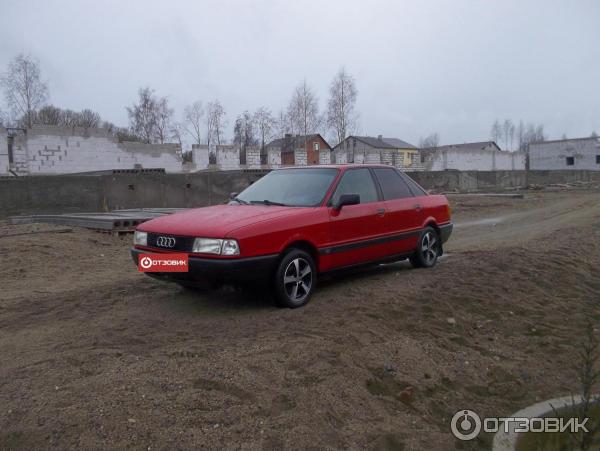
565,140
470,146
381,143
293,142
398,143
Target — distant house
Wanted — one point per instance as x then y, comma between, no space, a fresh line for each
369,149
301,149
476,156
577,153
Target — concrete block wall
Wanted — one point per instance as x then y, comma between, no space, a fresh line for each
552,155
325,156
228,157
474,160
253,158
200,156
387,157
300,157
341,156
4,167
274,158
64,150
77,193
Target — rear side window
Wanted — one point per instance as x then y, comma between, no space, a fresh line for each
392,186
356,181
414,187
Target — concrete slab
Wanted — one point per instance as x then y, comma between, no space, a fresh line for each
118,220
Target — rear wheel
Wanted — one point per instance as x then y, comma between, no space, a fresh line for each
428,249
295,279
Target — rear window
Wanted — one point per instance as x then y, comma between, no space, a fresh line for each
392,185
414,187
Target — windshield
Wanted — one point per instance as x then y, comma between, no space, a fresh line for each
290,187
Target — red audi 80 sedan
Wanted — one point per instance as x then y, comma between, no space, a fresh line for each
295,224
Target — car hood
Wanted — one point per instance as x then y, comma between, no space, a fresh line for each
213,222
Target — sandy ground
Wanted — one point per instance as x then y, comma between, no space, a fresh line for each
95,355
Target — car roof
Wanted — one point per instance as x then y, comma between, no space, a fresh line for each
336,166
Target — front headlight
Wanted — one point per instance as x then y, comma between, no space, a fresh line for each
215,246
230,247
140,238
207,246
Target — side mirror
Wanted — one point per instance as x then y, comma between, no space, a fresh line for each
233,195
347,199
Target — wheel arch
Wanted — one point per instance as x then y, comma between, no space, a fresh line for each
304,245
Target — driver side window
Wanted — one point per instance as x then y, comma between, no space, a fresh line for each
356,181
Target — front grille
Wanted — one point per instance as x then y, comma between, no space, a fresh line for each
162,241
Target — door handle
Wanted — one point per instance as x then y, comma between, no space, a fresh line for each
417,207
381,212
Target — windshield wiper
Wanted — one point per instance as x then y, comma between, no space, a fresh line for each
240,201
269,202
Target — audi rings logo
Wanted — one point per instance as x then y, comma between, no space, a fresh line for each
146,262
165,241
465,425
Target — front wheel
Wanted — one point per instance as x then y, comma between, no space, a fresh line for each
428,249
295,279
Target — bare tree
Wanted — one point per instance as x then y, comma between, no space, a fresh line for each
193,115
341,116
176,133
216,122
521,135
49,115
507,126
89,119
265,124
243,131
496,133
24,90
164,117
142,116
283,124
304,110
593,135
431,141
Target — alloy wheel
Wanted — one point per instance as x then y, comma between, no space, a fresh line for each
297,279
429,248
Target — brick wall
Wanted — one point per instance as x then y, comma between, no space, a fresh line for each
253,158
300,157
553,154
200,156
228,157
274,158
62,150
474,160
3,151
325,156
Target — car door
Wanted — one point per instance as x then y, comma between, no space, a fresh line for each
403,212
355,229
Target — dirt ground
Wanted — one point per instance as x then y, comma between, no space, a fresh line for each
95,355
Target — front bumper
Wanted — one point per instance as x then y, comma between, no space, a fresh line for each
215,271
446,231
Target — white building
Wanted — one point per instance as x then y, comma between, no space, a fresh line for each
478,156
578,153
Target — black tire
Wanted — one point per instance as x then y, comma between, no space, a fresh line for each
295,279
428,249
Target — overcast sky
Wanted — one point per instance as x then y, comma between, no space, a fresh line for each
450,67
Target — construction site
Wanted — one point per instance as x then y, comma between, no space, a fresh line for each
96,355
